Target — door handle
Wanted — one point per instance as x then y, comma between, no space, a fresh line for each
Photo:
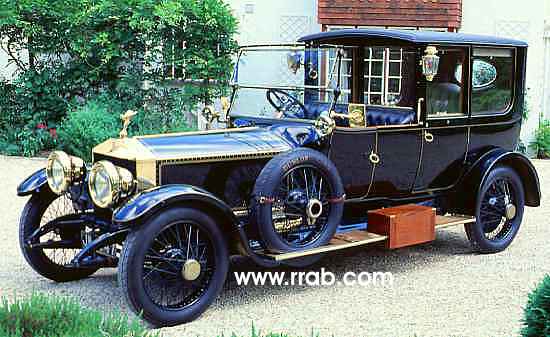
419,109
374,158
428,137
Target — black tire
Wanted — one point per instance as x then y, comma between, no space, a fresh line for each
152,237
493,231
31,218
279,187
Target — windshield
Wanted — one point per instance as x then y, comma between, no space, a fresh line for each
285,82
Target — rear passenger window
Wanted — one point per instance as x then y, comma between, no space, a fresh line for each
492,80
444,95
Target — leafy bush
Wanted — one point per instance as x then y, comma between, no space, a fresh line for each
97,43
79,50
41,315
536,320
89,125
541,144
99,119
27,141
167,115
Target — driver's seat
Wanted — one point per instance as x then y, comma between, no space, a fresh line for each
314,109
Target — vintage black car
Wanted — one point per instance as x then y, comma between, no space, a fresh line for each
317,134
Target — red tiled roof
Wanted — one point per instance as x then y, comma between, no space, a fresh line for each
394,13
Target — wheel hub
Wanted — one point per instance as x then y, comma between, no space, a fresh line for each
191,270
510,211
314,210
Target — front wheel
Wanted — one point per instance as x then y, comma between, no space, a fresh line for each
53,263
499,211
174,266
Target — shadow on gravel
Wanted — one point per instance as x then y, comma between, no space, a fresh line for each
374,258
101,290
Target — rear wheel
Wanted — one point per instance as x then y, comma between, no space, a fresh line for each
499,211
174,266
52,263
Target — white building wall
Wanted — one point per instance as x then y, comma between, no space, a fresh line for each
524,20
264,21
6,69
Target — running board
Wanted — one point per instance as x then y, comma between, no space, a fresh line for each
444,221
360,238
340,241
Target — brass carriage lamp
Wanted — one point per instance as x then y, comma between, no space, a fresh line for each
430,63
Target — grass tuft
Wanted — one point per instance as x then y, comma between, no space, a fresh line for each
536,321
47,316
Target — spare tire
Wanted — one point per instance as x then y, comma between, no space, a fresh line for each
297,201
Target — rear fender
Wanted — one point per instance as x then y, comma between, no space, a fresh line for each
475,177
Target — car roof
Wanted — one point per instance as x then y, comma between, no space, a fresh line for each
411,36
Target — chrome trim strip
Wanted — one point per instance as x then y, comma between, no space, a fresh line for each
195,133
216,158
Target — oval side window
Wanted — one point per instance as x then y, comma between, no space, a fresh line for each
484,74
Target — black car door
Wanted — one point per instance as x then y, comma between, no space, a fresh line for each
445,132
351,153
399,153
381,160
391,96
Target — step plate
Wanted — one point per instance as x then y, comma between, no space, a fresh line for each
444,221
360,238
340,241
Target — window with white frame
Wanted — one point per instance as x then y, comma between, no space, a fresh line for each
383,75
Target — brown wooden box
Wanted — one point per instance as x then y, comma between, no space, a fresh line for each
405,225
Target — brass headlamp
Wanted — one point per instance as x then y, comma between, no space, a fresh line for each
108,183
62,170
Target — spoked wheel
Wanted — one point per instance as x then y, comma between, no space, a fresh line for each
301,206
52,263
499,211
298,201
302,199
174,266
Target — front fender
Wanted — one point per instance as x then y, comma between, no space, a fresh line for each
149,202
476,175
33,184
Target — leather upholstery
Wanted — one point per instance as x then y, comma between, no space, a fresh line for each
376,115
314,109
443,97
389,116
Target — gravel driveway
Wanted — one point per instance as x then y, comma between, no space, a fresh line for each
440,289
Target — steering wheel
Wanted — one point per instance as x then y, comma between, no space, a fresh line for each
286,104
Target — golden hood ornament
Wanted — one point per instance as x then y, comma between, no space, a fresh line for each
126,120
